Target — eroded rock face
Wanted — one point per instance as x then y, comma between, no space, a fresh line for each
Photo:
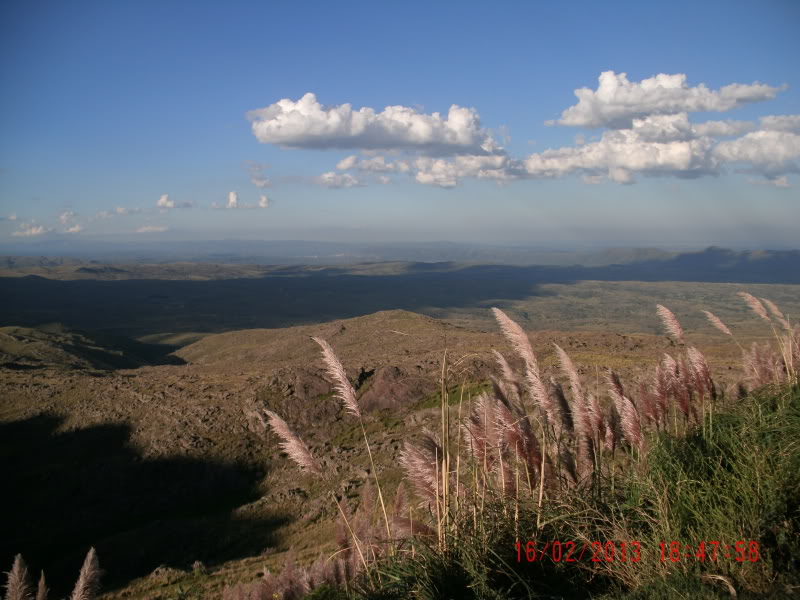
393,387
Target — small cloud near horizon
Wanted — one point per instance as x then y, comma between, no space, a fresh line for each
30,230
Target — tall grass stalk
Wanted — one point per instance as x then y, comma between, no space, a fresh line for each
347,395
298,451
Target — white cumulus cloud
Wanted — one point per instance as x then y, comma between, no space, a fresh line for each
663,128
331,179
347,163
233,200
263,201
152,229
446,173
306,123
771,153
619,154
617,101
375,164
646,125
723,128
74,229
789,123
165,202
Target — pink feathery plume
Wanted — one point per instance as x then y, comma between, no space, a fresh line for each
336,371
89,580
628,415
505,369
754,304
662,383
422,462
42,590
517,337
596,414
18,586
568,367
716,322
522,345
776,312
629,419
670,322
293,445
701,370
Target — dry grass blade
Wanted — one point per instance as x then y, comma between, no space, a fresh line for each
716,322
88,583
344,390
293,445
723,579
670,322
18,586
754,304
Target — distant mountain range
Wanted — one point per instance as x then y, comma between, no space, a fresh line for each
310,252
713,264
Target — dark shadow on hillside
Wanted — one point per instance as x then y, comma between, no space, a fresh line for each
136,353
55,345
295,296
65,492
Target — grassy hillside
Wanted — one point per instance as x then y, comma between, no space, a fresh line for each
189,473
724,504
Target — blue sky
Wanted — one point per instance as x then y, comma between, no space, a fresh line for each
190,120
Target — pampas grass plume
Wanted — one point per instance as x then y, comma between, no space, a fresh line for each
89,580
670,322
716,322
344,390
754,304
18,586
42,591
517,337
292,445
773,308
